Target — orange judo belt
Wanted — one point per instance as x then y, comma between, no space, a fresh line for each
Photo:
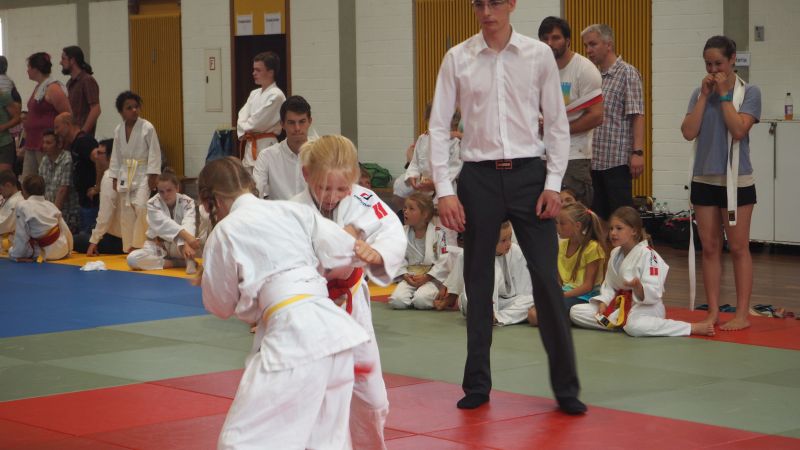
623,300
49,238
253,139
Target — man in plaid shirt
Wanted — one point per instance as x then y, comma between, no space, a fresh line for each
56,169
618,155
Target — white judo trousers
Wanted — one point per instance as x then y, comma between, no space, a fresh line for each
647,316
261,265
513,291
132,160
382,230
35,219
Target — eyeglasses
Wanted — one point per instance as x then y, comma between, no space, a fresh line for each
492,4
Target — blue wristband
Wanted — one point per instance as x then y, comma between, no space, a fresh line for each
726,98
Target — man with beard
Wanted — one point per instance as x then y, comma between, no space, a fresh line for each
581,86
83,92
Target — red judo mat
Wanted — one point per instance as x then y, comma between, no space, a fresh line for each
188,413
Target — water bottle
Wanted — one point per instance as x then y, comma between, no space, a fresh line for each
665,208
788,107
657,208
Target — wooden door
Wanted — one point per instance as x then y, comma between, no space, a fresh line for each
156,75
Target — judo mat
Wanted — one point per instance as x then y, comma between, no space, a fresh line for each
115,359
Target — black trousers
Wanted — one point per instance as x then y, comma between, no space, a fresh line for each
108,245
612,189
489,197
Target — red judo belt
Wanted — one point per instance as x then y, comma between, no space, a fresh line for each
253,139
48,238
338,288
623,300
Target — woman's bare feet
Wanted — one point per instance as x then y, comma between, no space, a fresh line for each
712,318
703,328
737,323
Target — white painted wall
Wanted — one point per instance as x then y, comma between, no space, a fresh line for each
204,24
385,68
775,62
315,61
30,30
529,14
680,29
109,56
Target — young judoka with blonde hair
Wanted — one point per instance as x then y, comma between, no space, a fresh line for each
261,264
171,230
330,167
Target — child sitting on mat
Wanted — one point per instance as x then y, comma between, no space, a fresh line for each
40,230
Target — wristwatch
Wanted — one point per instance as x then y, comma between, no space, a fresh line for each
638,152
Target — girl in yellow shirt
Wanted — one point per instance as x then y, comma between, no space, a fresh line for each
581,255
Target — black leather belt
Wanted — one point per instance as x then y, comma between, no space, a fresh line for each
506,164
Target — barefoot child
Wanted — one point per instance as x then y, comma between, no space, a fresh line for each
40,230
581,255
637,273
330,168
172,226
425,256
261,264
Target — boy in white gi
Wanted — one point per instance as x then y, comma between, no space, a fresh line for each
9,197
261,264
424,266
330,166
258,125
513,291
40,230
172,226
277,171
135,165
636,273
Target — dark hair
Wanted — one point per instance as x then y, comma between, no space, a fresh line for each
41,62
75,52
224,177
8,176
33,185
50,132
109,145
3,65
724,43
127,95
168,174
551,22
271,61
297,105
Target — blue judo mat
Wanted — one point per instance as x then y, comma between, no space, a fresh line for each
46,298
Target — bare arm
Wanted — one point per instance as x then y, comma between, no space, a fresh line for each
91,119
56,96
690,127
61,196
13,109
592,118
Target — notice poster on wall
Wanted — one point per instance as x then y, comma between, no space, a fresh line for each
272,23
244,25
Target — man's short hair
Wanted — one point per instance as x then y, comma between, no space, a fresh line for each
271,61
551,22
297,105
3,65
8,176
33,185
604,31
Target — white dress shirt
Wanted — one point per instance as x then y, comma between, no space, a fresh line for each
500,95
278,173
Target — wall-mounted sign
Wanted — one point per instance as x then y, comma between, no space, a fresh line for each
743,59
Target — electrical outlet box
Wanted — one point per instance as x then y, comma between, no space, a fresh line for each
759,33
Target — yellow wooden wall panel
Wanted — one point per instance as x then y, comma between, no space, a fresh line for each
156,76
440,24
631,21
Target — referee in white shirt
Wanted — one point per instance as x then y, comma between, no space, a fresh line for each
501,80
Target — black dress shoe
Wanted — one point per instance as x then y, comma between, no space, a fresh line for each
472,401
571,405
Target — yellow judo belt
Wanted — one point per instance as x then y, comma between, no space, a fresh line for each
274,308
